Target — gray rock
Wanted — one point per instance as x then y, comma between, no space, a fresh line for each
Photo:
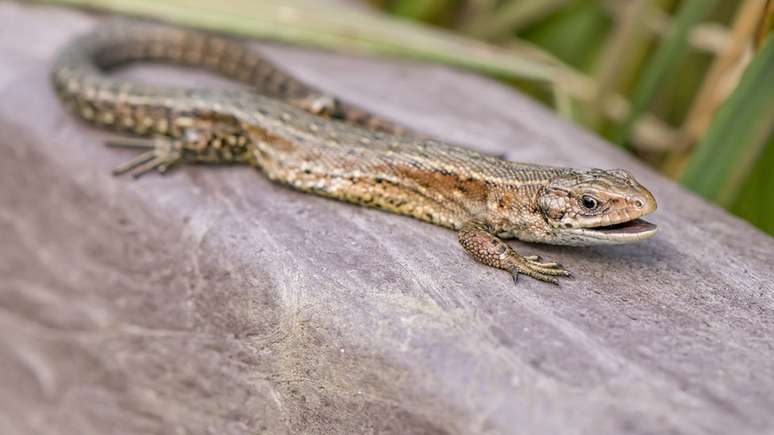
213,301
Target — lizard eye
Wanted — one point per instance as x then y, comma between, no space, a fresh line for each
588,202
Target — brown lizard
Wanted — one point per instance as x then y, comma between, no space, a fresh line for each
313,142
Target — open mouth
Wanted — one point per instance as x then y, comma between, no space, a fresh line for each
635,226
624,232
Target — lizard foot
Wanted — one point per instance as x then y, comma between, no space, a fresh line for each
321,105
161,156
531,267
477,239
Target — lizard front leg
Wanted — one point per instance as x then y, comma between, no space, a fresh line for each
487,248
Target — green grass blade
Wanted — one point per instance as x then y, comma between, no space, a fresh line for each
664,60
574,34
755,201
511,17
420,10
736,138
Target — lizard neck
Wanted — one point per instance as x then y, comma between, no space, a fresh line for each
511,209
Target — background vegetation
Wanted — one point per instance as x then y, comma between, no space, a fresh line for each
686,85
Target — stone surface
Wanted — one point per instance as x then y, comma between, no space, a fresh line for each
212,301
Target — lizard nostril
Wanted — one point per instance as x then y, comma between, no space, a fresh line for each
639,203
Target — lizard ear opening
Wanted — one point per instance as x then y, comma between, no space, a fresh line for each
553,203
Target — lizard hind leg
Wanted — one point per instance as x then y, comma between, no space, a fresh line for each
489,249
161,155
213,142
321,105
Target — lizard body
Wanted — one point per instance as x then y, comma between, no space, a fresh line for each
313,142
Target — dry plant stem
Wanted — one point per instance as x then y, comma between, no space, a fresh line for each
720,80
628,29
703,37
764,23
660,64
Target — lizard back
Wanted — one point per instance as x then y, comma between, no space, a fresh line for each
342,156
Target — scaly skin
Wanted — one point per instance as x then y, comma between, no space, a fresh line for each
308,140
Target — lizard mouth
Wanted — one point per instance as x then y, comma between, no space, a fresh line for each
623,232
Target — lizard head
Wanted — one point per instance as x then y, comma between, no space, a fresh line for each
595,206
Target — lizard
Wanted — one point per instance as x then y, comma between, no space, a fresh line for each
309,140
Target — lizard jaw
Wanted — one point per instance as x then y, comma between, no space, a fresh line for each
624,232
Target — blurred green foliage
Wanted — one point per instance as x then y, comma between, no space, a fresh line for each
735,142
758,185
581,22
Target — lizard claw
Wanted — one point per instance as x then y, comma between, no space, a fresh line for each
546,272
546,265
535,260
